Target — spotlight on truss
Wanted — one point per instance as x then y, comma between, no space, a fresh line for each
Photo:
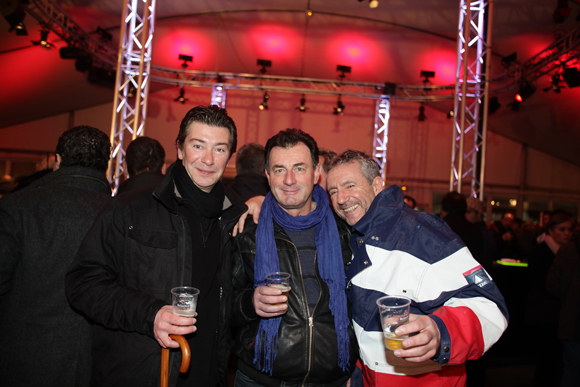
421,117
265,63
302,107
526,90
427,75
339,108
264,104
181,97
43,39
185,59
343,70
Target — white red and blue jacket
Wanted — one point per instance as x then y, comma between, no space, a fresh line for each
400,251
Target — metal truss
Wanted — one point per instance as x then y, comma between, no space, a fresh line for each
53,18
471,95
563,51
381,134
132,80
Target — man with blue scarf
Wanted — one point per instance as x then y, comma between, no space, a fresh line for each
305,339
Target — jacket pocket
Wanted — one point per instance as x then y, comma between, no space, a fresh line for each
156,254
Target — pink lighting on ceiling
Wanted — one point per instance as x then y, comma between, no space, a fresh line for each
274,42
185,41
442,61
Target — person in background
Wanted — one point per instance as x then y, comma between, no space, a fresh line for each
147,242
324,156
503,234
44,341
457,311
559,232
144,164
305,338
564,284
250,180
410,201
474,214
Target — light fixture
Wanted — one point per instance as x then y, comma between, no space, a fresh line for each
421,117
185,59
427,75
264,104
555,84
343,70
562,11
494,105
373,3
309,12
571,76
339,108
181,97
43,39
265,64
389,89
507,61
525,91
13,12
104,35
451,114
131,92
302,106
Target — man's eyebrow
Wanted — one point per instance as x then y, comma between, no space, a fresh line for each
204,142
283,166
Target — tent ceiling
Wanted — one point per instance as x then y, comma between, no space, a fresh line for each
393,43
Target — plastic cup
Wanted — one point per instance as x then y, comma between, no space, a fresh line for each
184,300
279,280
394,312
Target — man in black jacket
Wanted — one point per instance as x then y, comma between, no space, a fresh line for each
305,338
144,164
44,342
146,243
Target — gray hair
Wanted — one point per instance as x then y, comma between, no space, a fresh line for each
369,167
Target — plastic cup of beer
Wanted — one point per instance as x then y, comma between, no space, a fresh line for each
184,300
394,312
279,280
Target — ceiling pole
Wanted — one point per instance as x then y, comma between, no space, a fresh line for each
471,88
132,80
381,134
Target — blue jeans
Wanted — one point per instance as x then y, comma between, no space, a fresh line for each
244,381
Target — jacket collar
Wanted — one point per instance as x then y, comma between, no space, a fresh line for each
75,176
384,211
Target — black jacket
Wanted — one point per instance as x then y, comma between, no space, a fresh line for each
137,250
306,353
44,342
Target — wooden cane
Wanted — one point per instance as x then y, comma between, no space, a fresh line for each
185,359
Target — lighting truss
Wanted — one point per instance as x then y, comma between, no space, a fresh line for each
564,50
52,17
471,94
218,95
381,134
133,68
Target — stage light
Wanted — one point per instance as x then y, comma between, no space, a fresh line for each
131,92
427,75
43,39
13,12
562,11
555,84
104,35
343,70
571,76
525,91
373,3
185,59
302,106
264,104
494,105
389,89
308,12
265,63
450,114
339,108
506,61
181,97
70,52
421,117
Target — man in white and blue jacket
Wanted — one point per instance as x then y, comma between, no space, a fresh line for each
457,311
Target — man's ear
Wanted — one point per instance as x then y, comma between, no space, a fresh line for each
378,185
267,175
164,169
317,173
57,162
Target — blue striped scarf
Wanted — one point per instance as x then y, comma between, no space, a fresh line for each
330,268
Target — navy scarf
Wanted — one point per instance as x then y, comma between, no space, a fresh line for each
330,267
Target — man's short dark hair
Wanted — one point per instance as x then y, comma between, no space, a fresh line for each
369,167
327,155
289,138
144,154
210,115
84,146
250,159
412,200
454,203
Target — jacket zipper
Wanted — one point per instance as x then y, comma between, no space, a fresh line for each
310,319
